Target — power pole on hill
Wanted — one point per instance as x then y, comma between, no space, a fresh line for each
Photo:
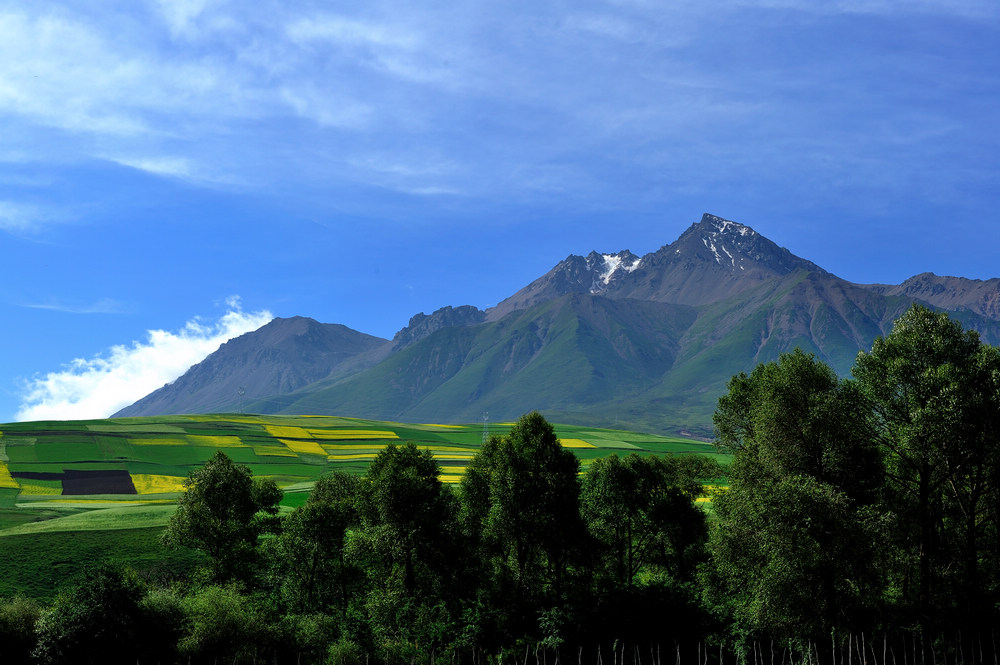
486,429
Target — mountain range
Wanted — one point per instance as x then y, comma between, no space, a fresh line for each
605,340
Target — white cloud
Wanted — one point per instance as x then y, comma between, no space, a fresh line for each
176,167
180,15
100,386
17,217
343,30
102,306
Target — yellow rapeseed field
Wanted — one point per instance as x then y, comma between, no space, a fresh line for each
225,441
287,432
304,447
6,480
158,441
147,483
336,434
263,450
576,443
28,489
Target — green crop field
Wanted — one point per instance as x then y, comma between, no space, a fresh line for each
75,492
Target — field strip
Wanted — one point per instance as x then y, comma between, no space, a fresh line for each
615,443
352,434
304,447
148,483
215,441
265,450
334,447
156,428
41,488
7,480
575,443
158,441
135,516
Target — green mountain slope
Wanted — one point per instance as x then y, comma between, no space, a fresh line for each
557,356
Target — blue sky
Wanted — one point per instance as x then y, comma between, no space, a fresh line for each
173,173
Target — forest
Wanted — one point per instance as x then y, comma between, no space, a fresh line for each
859,522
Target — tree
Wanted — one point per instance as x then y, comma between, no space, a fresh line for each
792,551
222,512
18,619
934,390
225,625
649,538
310,552
408,520
521,505
99,620
641,510
407,511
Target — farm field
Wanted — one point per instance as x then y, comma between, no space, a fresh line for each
73,492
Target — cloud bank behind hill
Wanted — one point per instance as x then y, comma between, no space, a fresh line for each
100,386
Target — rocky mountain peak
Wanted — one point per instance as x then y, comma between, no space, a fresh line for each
421,325
736,248
606,268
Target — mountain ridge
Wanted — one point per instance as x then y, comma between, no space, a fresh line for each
606,338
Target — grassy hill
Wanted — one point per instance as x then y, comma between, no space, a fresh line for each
76,492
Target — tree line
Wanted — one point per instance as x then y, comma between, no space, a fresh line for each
861,521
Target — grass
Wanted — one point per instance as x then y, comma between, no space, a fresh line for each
37,565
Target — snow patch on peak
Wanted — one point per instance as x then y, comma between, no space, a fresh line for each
606,266
727,227
727,240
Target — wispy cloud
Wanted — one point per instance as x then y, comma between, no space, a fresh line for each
98,387
102,306
22,217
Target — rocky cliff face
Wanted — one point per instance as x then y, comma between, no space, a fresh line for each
953,293
422,325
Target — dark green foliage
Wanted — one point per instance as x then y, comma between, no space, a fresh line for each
226,625
18,619
309,554
223,512
100,620
934,390
521,507
792,548
409,546
641,512
648,539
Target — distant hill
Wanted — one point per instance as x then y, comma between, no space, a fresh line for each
604,340
282,356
